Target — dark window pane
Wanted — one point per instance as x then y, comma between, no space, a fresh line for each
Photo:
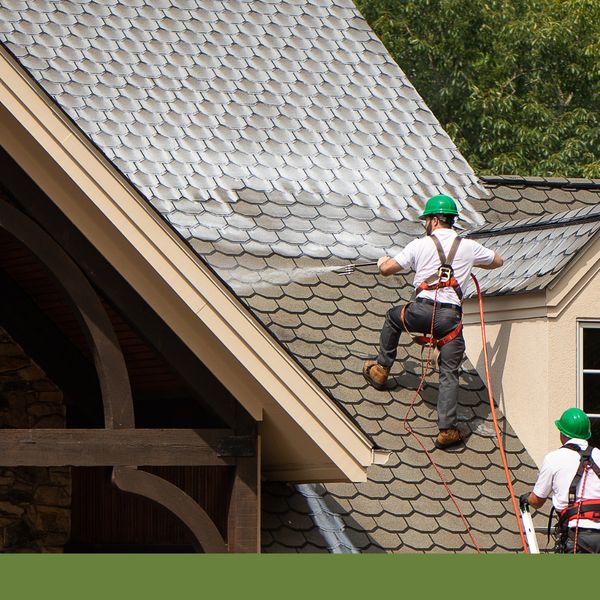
591,393
595,439
591,348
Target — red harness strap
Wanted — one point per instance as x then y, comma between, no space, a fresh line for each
427,340
590,509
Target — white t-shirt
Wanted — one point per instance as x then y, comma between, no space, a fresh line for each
557,472
422,257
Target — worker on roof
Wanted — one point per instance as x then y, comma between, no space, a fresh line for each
442,263
571,474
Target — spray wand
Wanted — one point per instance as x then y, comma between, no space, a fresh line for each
347,269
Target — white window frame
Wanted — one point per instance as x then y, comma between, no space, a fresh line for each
581,326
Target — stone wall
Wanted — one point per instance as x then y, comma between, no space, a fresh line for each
35,502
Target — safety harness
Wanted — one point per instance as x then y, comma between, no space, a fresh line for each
445,275
575,510
585,509
442,279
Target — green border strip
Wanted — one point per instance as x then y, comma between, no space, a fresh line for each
110,577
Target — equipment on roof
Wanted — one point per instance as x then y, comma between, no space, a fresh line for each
347,269
429,340
528,527
440,205
584,509
576,509
574,423
445,275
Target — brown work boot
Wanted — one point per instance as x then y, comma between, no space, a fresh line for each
375,374
448,437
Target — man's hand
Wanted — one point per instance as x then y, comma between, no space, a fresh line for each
524,501
530,499
381,260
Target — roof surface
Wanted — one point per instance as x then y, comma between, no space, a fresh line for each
224,114
513,197
281,140
536,248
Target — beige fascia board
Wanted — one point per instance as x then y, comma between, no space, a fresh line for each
306,474
574,277
169,258
317,472
506,308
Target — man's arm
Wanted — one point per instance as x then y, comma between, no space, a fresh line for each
498,261
388,266
535,501
543,485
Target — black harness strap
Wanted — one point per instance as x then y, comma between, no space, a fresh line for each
585,461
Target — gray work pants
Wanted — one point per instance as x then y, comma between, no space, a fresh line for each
588,541
418,319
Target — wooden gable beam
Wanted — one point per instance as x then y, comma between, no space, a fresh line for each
243,519
123,447
133,481
100,336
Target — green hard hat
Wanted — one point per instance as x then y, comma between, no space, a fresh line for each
574,423
440,205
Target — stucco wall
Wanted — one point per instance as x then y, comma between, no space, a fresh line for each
534,358
518,353
584,305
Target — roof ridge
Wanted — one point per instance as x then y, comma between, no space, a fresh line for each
588,214
549,182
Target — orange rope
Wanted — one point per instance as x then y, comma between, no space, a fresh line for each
409,429
495,419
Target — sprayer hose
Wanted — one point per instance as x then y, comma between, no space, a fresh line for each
495,418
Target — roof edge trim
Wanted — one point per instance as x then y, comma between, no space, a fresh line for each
556,183
574,277
521,226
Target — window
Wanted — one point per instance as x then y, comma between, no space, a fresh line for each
588,384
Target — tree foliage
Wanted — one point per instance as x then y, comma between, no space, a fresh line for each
516,83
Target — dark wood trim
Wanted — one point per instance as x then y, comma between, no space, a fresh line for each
108,358
48,233
183,506
211,393
114,447
243,519
244,505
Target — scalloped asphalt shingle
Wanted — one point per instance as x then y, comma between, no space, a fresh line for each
280,139
513,197
536,246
